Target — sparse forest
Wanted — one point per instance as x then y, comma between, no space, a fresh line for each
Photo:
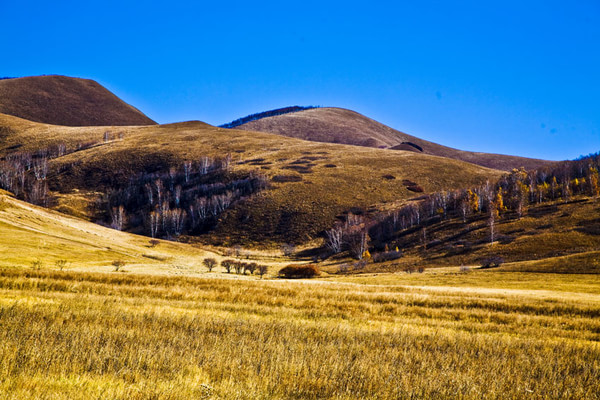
508,198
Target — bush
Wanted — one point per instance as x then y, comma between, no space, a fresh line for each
286,178
387,256
492,262
299,271
118,264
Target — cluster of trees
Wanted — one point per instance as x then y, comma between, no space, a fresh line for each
352,235
241,267
25,173
510,196
188,198
265,114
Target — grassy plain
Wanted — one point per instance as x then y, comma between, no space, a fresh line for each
441,334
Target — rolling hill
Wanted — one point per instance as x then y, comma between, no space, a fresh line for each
309,183
61,100
337,125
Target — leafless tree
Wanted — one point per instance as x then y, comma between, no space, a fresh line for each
117,215
334,239
209,263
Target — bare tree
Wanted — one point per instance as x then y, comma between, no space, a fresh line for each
492,221
334,239
262,270
117,216
154,223
61,264
209,263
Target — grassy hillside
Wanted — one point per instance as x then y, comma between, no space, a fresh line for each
68,335
336,125
29,234
62,100
554,237
310,183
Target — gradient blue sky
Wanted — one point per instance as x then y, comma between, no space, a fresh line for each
515,77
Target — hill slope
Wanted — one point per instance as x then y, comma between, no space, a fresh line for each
29,233
310,183
62,100
336,125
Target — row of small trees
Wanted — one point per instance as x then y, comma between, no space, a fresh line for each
239,267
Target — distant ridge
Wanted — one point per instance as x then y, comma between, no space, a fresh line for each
338,125
62,100
265,114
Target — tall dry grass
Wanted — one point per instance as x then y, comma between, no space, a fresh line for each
79,336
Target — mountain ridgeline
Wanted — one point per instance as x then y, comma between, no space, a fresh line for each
265,114
337,125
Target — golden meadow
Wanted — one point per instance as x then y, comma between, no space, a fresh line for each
440,334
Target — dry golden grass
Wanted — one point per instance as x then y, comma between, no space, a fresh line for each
30,234
81,335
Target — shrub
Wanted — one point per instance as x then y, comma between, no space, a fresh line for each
118,264
61,264
343,268
239,267
492,262
360,265
286,178
250,268
299,271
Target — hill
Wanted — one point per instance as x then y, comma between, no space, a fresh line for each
308,184
336,125
61,100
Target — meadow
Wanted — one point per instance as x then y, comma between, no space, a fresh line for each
439,334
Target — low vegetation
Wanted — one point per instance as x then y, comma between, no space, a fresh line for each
299,271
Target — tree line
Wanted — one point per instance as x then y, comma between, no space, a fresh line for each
265,114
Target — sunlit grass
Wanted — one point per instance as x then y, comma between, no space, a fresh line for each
77,335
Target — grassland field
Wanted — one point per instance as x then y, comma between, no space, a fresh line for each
440,334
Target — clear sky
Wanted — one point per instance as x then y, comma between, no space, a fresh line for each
515,77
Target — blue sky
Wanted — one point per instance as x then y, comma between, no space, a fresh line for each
514,77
